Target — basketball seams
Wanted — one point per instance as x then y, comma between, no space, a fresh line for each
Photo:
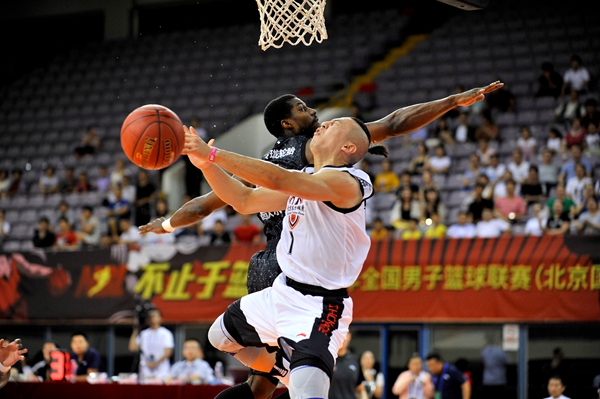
135,120
159,138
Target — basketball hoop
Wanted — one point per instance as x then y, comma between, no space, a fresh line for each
291,21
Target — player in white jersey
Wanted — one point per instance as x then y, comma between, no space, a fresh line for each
323,246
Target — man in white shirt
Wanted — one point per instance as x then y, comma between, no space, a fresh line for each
556,388
518,167
155,344
193,368
577,77
490,227
462,229
440,162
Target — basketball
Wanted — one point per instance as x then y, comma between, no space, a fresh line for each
152,137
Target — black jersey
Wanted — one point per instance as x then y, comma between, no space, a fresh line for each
289,153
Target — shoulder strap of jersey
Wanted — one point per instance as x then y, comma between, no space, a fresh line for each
363,179
364,183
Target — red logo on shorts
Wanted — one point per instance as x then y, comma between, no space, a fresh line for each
330,319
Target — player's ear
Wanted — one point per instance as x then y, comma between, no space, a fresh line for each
349,148
286,124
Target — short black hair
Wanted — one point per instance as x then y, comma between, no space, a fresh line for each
557,377
76,333
434,356
277,110
87,208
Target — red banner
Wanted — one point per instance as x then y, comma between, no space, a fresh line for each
518,278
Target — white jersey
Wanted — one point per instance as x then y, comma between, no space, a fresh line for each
323,245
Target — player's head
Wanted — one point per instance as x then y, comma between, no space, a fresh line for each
192,350
348,137
288,115
79,343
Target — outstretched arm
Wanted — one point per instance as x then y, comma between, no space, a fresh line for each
408,119
191,212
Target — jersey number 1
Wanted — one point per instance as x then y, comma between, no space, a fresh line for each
291,243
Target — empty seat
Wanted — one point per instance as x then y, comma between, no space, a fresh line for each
456,198
21,231
28,216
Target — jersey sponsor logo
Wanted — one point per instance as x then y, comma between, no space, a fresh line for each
293,220
294,210
284,152
330,320
268,215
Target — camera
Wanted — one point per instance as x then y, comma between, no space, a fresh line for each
141,310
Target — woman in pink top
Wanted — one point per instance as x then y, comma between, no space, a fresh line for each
414,383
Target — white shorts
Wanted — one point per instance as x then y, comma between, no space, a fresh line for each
314,326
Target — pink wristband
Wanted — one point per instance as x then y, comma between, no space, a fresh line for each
213,152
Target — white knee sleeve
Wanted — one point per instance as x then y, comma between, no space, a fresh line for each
221,339
308,382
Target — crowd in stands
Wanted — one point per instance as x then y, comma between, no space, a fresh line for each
547,184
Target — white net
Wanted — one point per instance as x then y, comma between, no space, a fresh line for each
291,21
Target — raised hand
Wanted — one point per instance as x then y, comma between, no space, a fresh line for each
472,96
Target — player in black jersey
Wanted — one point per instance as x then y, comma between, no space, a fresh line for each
293,123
